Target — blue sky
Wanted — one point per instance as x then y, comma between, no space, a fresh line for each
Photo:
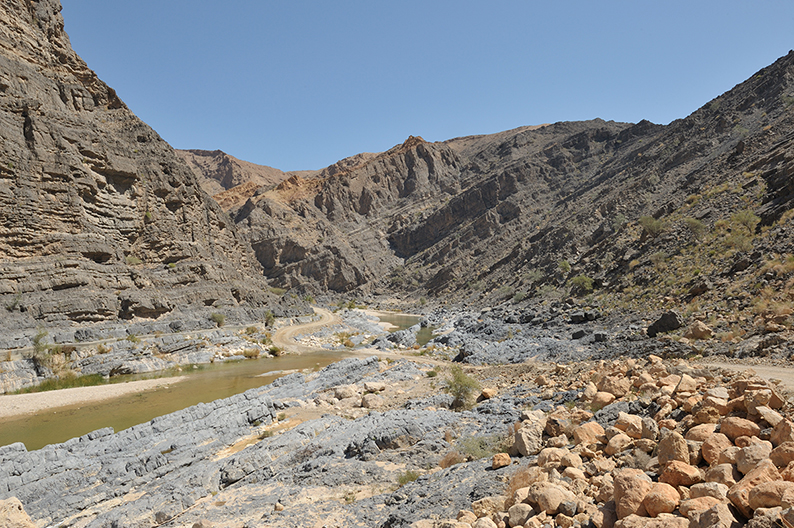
301,84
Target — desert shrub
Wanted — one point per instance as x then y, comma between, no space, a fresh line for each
408,476
432,373
462,387
450,459
251,330
518,297
281,417
564,266
251,353
102,349
658,258
477,447
504,292
277,291
652,226
739,241
270,318
618,222
746,218
218,318
132,260
696,227
275,351
267,433
582,283
308,298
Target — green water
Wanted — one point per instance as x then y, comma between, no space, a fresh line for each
205,384
402,321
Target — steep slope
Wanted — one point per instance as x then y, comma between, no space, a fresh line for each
218,172
99,219
524,212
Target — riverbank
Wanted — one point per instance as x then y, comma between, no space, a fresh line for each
14,405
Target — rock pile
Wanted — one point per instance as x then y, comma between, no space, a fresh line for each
667,445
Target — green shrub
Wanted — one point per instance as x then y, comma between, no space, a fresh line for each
218,318
432,373
652,227
408,476
564,266
275,351
277,291
518,297
618,222
696,227
251,330
582,283
462,387
477,447
270,318
132,261
747,219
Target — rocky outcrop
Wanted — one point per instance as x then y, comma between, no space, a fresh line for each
100,219
218,172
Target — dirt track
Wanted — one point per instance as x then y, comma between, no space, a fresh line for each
285,337
784,374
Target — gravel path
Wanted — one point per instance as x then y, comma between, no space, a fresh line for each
12,405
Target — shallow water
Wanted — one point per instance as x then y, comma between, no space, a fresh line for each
203,384
402,322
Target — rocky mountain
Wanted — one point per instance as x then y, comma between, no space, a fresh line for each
219,172
570,206
100,220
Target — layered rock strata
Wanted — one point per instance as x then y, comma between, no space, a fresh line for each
99,219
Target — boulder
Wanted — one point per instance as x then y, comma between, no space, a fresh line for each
700,433
631,424
782,454
345,391
588,433
484,522
631,486
699,330
709,489
12,514
734,427
519,513
692,507
783,432
668,322
618,443
671,447
500,460
718,516
724,474
372,401
662,498
748,457
529,437
602,399
551,496
617,386
713,446
678,473
739,494
769,494
663,521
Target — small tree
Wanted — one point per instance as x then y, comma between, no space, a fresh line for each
462,387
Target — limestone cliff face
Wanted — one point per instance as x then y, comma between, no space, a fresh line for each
99,219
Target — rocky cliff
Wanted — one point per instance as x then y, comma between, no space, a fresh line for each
526,211
99,218
218,172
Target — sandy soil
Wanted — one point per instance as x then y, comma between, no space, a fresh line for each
285,337
23,404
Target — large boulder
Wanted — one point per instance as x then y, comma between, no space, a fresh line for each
668,322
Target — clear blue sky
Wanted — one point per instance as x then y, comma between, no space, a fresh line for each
301,84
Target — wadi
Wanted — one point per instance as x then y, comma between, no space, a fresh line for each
566,324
